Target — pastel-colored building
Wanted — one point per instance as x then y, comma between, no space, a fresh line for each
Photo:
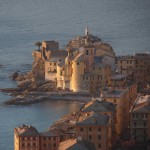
28,138
88,65
94,127
103,108
51,68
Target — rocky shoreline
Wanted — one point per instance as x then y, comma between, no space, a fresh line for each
31,89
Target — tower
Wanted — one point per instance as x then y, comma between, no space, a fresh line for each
86,31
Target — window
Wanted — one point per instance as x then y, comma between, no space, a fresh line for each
50,64
22,144
90,129
28,144
28,138
49,138
90,137
44,145
87,52
81,129
99,137
44,138
54,64
34,144
99,129
99,145
54,138
22,138
34,138
144,123
54,145
77,63
114,100
134,123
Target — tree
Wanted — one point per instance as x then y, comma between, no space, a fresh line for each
38,44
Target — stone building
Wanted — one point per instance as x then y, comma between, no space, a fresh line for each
88,65
140,119
28,138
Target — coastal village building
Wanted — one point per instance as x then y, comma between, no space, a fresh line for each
88,65
96,124
137,66
84,67
28,138
45,60
140,119
94,127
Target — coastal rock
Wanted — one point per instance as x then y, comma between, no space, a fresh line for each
14,75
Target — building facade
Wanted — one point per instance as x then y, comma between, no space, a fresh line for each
28,138
140,119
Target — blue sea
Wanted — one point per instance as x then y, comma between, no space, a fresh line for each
124,24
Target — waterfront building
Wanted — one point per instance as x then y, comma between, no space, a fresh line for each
88,65
51,68
28,138
140,119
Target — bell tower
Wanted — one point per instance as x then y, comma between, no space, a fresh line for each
86,31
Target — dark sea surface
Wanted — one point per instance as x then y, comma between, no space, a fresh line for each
125,24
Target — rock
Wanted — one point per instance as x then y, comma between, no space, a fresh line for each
24,84
14,75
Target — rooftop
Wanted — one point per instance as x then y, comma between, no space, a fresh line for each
112,93
98,106
141,105
93,118
25,130
53,59
118,77
71,144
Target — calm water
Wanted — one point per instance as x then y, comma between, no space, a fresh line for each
125,24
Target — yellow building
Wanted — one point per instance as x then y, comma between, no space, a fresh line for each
88,65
